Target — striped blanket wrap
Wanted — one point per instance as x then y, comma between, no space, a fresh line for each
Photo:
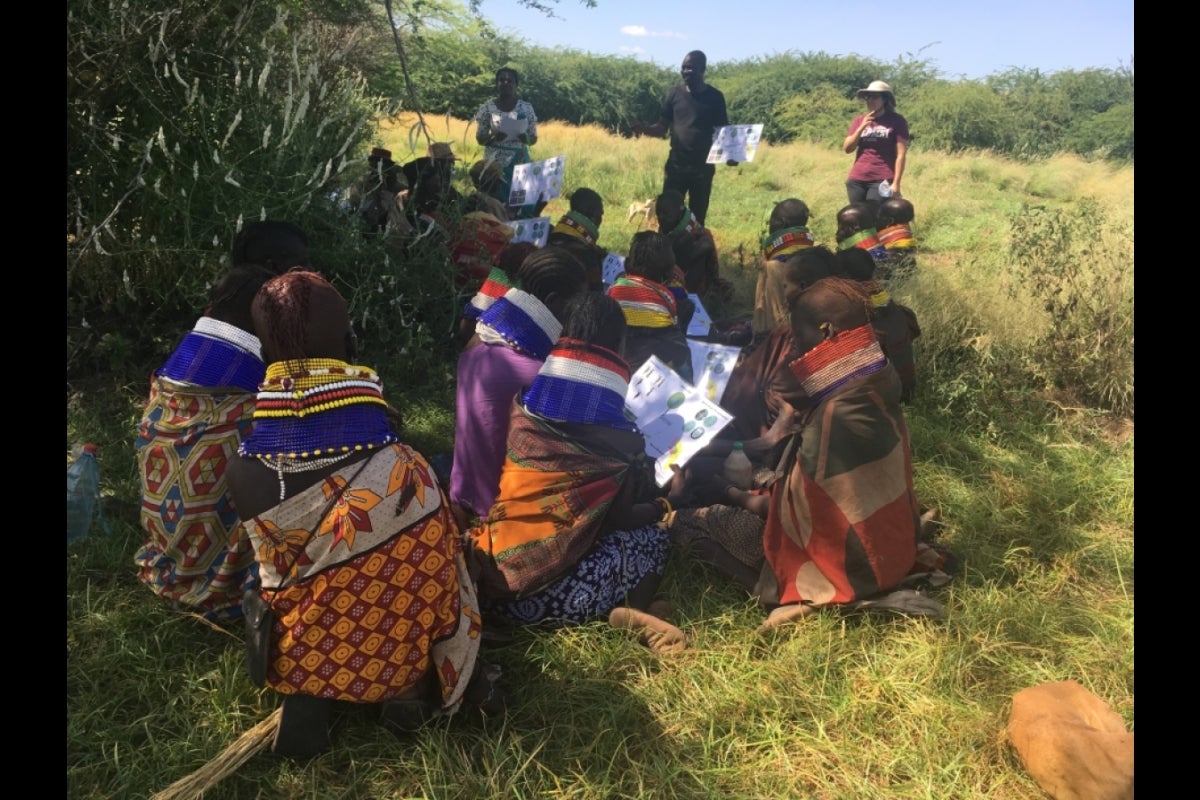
843,521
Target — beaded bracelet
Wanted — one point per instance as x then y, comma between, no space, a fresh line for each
665,505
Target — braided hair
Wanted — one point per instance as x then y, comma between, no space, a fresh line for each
552,270
651,256
300,315
595,318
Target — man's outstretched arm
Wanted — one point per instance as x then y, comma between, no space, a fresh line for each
658,129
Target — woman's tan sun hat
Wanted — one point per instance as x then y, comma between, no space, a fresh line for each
877,86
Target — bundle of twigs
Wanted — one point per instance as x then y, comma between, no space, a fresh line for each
252,741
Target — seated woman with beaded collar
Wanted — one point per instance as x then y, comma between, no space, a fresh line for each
575,532
841,527
359,555
201,404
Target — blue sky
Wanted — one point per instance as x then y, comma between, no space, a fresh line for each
962,39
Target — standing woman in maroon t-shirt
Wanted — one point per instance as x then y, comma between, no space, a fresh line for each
879,141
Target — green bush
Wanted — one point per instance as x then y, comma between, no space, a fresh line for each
1079,268
820,115
187,119
960,116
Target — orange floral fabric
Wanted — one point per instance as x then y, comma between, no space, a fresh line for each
376,592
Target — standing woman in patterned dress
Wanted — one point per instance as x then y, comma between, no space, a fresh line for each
507,128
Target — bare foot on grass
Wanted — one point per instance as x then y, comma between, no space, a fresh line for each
930,522
657,634
784,615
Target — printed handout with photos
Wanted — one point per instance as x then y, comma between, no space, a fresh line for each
713,365
734,143
536,230
701,322
537,181
676,420
612,268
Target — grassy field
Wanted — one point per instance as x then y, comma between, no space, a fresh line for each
1035,489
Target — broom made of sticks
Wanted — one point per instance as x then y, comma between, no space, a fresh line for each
249,743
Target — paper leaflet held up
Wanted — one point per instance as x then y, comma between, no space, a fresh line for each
675,418
537,181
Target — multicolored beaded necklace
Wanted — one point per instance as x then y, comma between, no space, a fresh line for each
575,224
646,303
581,383
785,242
844,357
520,321
897,237
215,354
313,412
677,283
865,239
688,223
494,287
879,295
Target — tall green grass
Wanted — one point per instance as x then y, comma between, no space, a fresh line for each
1033,480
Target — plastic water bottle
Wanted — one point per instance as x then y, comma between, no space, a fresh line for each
83,491
738,469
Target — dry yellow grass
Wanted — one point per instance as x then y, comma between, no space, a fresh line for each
964,203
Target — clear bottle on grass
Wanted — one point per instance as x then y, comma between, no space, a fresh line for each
83,492
738,469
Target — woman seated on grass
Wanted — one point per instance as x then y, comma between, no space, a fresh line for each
512,338
201,404
574,534
650,308
787,237
894,223
842,526
760,380
359,556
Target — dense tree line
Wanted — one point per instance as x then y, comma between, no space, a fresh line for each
1022,113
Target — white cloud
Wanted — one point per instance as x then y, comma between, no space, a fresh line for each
640,30
636,51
